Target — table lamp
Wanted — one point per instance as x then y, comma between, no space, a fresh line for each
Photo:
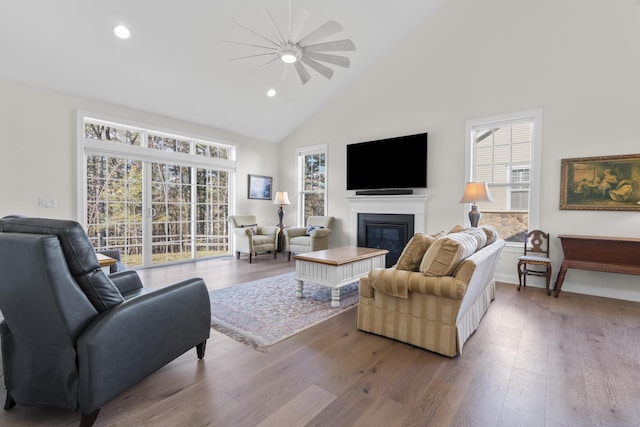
282,198
475,192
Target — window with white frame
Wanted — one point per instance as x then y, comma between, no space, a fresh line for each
312,182
156,196
504,151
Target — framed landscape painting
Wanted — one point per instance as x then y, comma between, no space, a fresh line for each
601,183
260,187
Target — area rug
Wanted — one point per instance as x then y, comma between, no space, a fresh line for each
267,311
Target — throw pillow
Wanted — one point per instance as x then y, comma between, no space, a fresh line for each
253,227
491,232
445,253
311,228
456,229
414,251
479,234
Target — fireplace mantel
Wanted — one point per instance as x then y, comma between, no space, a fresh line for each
403,204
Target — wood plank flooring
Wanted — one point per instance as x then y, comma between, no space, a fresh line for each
534,361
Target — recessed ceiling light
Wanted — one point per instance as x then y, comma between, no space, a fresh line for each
271,93
121,32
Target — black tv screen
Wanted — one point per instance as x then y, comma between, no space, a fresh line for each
392,163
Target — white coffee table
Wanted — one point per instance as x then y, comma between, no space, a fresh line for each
336,267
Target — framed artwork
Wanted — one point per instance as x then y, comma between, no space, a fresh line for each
610,183
260,187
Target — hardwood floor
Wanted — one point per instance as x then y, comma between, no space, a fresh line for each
534,361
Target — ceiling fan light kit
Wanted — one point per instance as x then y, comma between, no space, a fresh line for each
304,50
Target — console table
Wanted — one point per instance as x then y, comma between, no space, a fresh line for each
608,254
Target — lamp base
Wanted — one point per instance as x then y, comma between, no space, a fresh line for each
280,215
474,216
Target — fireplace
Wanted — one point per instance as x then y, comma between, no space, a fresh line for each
412,206
385,231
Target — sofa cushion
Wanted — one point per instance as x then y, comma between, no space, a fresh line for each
79,253
445,253
491,232
456,229
414,251
479,234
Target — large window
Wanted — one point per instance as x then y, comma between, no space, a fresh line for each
154,196
312,182
504,151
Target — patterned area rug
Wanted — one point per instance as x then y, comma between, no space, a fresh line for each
267,311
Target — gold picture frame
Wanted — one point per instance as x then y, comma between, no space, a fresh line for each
610,183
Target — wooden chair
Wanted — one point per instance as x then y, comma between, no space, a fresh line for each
536,253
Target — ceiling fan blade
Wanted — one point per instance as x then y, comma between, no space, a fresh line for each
322,69
327,29
263,66
297,24
302,72
342,61
337,45
251,56
275,27
284,71
249,44
257,34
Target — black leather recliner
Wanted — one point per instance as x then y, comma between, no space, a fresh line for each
75,338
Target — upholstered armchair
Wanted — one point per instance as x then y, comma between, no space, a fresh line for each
75,338
251,238
313,237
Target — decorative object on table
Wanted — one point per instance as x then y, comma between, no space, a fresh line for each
313,237
474,193
536,253
266,311
282,198
260,187
600,183
251,238
292,49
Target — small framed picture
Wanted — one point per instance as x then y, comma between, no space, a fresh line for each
609,183
260,187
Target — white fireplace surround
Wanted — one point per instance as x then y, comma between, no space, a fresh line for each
414,204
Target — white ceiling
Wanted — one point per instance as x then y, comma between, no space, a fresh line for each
175,63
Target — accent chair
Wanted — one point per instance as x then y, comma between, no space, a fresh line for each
251,238
313,237
75,338
535,261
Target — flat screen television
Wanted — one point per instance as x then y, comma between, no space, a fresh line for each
388,164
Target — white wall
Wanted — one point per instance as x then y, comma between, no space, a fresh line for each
38,151
578,60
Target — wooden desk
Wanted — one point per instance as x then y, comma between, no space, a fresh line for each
608,254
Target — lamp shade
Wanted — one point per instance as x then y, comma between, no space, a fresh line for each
282,198
476,192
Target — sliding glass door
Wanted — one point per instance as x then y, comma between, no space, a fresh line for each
158,201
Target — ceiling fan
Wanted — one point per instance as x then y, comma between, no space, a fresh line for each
295,50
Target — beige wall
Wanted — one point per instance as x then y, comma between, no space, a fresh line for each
578,60
38,140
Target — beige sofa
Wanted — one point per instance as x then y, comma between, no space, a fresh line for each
437,293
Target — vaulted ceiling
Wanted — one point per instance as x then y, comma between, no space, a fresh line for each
177,64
